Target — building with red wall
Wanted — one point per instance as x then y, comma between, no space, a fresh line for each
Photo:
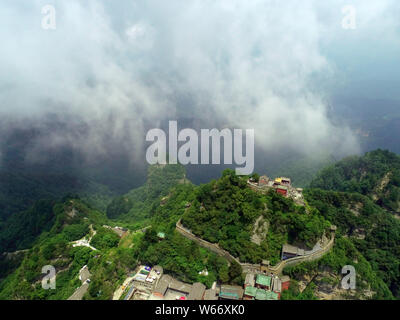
285,283
282,190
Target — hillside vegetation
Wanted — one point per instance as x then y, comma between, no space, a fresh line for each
137,204
225,212
358,195
376,174
367,237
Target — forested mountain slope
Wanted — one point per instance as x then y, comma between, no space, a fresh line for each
367,237
376,174
224,211
112,258
359,195
138,203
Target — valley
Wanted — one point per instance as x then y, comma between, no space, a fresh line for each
203,235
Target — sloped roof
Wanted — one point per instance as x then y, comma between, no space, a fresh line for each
231,292
261,294
273,296
249,279
250,291
263,280
163,284
277,285
197,291
292,249
210,294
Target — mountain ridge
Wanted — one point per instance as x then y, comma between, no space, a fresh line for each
224,211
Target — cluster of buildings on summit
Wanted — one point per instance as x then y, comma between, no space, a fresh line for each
282,185
260,284
264,287
152,284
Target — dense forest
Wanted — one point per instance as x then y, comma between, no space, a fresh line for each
348,194
360,196
140,202
50,238
376,174
113,259
367,238
225,212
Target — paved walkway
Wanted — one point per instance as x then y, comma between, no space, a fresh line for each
211,246
83,242
80,292
118,293
247,267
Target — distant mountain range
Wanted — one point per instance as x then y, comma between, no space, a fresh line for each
359,195
375,121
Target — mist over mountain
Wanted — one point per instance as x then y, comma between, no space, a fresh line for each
376,122
316,81
115,69
76,102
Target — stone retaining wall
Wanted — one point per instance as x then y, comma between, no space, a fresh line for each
247,267
212,246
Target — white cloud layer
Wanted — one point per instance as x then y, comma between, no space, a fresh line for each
249,64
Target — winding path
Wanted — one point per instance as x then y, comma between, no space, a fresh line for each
247,267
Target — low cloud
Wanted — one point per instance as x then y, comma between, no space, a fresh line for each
122,68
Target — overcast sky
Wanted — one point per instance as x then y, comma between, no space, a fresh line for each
268,65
